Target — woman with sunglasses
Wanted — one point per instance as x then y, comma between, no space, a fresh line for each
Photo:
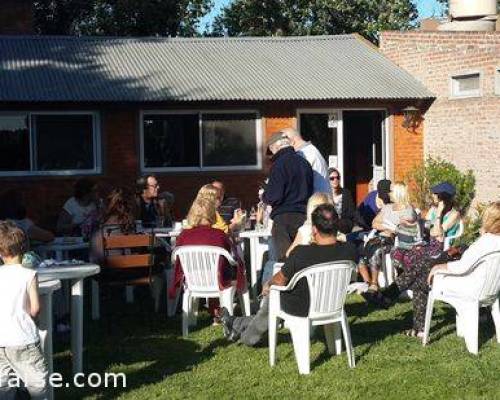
343,202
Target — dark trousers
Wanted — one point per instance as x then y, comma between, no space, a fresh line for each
285,227
415,279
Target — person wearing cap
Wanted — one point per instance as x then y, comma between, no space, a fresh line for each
313,156
443,218
374,201
290,186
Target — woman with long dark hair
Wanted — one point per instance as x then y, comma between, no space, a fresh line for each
117,219
120,210
443,219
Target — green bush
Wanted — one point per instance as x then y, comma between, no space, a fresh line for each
472,224
433,171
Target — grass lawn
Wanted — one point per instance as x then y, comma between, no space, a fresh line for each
159,364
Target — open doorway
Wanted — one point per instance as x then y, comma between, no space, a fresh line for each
363,149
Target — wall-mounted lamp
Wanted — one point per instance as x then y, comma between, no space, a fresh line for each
411,117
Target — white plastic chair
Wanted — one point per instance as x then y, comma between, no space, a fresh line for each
449,240
467,307
200,265
327,284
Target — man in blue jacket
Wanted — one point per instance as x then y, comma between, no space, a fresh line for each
290,186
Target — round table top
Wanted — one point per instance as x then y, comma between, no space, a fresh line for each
48,287
161,232
255,233
63,272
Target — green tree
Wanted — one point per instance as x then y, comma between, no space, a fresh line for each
60,17
320,17
121,17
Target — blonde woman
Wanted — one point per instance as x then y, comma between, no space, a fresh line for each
201,219
386,222
304,234
213,194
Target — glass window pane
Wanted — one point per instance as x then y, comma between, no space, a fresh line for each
466,84
171,141
470,82
14,143
64,142
229,140
314,128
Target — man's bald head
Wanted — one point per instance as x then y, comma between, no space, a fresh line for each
293,136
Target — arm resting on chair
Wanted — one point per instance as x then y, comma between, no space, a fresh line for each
277,282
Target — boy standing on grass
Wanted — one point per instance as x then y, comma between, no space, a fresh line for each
20,351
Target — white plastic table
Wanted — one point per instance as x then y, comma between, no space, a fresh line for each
60,248
46,289
75,274
258,245
169,273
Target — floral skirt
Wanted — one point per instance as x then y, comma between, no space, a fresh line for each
407,259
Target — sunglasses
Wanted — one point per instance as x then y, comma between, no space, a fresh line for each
335,178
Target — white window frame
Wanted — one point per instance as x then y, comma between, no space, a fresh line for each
497,81
454,94
258,133
96,137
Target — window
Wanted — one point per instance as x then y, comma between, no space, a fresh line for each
15,143
200,140
467,85
49,143
171,141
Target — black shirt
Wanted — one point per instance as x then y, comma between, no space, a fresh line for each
147,213
296,301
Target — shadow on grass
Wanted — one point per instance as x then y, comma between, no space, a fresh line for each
444,324
131,339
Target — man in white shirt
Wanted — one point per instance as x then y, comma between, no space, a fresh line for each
313,156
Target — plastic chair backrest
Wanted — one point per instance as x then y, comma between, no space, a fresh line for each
490,288
327,284
200,265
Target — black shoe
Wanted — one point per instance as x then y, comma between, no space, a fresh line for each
376,299
227,322
391,293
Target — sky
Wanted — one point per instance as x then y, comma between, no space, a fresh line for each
426,8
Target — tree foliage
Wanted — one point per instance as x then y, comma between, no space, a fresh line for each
120,17
320,17
60,17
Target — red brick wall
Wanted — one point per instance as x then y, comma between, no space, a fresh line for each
408,147
464,131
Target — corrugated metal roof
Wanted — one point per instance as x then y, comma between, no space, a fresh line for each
48,68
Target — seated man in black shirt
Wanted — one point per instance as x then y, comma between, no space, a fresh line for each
249,330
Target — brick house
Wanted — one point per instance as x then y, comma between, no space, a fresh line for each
191,110
463,70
